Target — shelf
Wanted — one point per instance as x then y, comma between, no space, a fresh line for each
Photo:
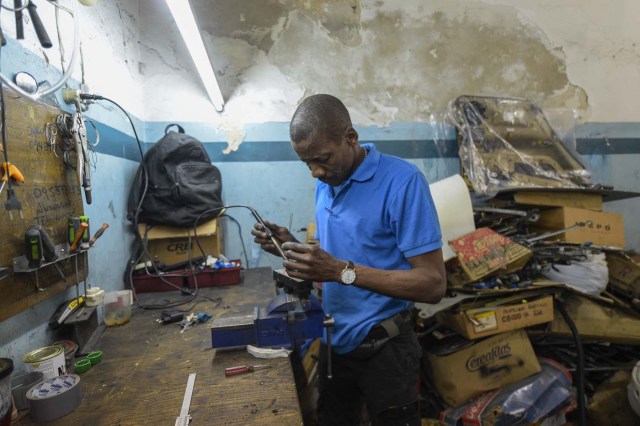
21,264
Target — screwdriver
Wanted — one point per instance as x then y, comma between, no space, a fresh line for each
78,237
241,369
98,233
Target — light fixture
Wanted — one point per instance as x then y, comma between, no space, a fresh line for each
186,22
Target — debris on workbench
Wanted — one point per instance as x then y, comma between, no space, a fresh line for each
267,353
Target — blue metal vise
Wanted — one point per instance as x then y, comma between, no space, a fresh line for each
291,319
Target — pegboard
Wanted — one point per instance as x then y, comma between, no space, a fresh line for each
49,195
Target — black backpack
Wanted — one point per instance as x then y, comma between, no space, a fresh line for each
183,183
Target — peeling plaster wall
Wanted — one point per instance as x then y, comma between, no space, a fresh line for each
399,61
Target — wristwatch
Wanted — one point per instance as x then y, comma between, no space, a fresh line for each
348,274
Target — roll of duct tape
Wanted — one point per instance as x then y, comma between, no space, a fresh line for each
54,398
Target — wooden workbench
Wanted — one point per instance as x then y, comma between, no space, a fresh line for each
144,372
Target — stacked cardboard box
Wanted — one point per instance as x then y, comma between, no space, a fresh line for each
174,245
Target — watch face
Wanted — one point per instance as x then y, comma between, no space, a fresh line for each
348,276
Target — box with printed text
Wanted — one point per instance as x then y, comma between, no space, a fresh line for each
484,321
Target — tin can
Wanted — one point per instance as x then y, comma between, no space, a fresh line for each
49,360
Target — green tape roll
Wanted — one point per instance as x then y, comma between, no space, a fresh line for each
82,366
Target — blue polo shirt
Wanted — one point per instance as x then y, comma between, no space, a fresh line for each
379,217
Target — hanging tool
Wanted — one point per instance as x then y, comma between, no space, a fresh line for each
79,132
48,248
38,245
9,171
43,37
185,418
241,369
98,233
33,247
87,233
12,202
78,237
73,227
17,4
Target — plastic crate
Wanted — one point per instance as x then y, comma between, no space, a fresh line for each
215,277
205,278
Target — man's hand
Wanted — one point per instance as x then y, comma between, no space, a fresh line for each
310,262
281,234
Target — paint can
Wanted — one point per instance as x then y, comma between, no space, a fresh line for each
49,360
70,349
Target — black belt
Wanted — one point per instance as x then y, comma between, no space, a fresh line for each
387,329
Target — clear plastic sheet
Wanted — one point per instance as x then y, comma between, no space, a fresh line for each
521,403
508,143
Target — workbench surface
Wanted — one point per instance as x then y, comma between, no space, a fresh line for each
143,375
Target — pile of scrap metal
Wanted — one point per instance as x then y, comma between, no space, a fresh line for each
543,302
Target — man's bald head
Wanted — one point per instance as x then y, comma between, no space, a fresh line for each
320,114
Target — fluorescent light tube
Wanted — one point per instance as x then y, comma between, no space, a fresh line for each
182,14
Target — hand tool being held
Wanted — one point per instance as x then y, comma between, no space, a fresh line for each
78,237
241,369
98,233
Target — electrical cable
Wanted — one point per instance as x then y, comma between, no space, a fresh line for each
3,121
135,258
244,250
581,398
255,215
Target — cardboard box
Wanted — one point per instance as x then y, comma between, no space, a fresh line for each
486,365
489,320
579,200
596,321
624,273
173,245
484,252
606,229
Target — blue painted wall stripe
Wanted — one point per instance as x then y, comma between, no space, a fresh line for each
251,151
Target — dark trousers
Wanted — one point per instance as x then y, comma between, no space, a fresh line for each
385,381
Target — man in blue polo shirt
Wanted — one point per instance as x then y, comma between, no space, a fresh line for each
379,251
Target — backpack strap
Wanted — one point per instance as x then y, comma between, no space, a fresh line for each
180,128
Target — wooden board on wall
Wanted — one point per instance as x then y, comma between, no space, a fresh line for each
49,195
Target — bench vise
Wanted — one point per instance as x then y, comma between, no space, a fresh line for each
291,319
